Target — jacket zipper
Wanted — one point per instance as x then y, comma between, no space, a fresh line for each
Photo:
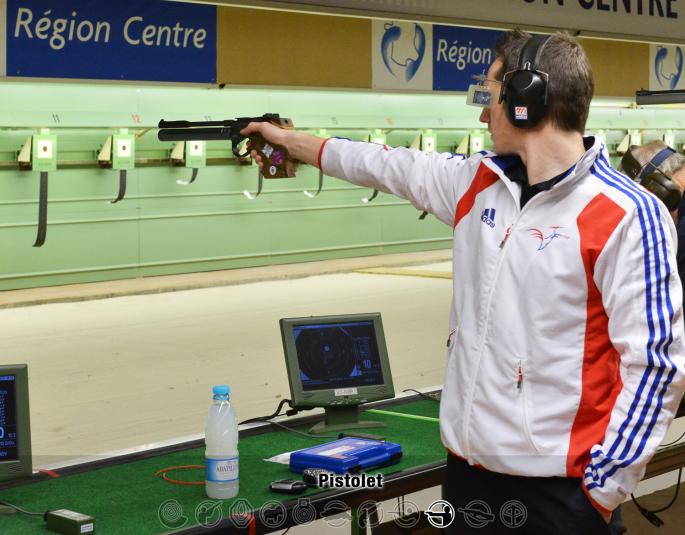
481,345
506,236
524,409
449,336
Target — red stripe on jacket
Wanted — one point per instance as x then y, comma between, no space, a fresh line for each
601,379
485,177
318,158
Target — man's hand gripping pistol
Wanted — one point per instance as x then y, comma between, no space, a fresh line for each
277,163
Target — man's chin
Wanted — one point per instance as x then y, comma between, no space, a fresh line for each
502,151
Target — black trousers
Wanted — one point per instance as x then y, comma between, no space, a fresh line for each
489,503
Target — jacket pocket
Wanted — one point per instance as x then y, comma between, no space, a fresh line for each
522,388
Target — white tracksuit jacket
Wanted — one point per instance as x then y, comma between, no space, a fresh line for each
566,354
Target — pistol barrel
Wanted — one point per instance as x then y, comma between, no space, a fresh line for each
192,134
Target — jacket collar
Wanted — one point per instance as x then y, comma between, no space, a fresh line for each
593,149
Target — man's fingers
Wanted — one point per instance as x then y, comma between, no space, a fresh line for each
250,128
257,158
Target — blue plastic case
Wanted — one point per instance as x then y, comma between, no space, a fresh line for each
346,455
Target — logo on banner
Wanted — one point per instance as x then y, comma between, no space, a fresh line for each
668,70
393,59
666,65
521,112
401,55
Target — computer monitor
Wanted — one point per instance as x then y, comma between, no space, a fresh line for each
15,428
337,362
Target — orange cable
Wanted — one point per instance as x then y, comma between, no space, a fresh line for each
163,473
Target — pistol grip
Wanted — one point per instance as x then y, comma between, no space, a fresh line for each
276,160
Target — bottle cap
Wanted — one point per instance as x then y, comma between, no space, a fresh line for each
221,390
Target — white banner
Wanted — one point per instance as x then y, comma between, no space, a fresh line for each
666,67
639,20
402,55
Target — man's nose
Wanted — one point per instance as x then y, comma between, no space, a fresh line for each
485,115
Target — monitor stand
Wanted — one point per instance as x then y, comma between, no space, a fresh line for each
341,418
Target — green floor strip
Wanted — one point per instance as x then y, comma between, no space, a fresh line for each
404,415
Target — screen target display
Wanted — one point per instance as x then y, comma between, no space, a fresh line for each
9,450
338,355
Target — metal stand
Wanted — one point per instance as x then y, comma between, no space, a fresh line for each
341,418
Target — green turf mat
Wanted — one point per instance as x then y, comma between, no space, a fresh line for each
126,498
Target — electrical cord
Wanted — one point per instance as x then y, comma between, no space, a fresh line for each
422,395
290,412
309,435
674,442
20,510
651,514
163,473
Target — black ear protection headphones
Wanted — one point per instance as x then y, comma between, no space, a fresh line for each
525,89
653,178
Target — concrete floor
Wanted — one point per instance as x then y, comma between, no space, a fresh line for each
124,372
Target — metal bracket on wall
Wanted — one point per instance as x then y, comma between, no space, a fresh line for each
39,153
312,195
118,152
367,200
260,183
190,154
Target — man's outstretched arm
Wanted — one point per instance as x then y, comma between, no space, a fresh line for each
430,181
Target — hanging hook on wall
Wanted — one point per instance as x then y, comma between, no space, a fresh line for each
367,200
260,183
312,195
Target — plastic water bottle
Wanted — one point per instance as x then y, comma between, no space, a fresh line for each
221,440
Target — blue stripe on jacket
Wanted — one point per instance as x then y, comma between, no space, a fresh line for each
605,173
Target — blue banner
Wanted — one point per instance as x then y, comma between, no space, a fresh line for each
460,53
124,40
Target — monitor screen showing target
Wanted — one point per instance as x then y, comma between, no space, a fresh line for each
15,426
337,355
336,360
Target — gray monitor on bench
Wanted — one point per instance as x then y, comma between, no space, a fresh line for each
337,362
15,427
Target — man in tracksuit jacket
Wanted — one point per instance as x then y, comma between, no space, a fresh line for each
566,357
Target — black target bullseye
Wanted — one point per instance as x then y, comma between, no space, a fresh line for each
326,353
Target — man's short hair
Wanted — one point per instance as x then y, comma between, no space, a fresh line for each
570,87
670,166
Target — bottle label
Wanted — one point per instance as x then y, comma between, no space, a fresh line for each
221,470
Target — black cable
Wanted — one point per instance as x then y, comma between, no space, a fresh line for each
651,514
21,510
277,413
286,531
674,442
422,395
309,435
290,412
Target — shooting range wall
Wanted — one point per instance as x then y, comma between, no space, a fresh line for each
316,69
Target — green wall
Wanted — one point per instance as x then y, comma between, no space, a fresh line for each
163,228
